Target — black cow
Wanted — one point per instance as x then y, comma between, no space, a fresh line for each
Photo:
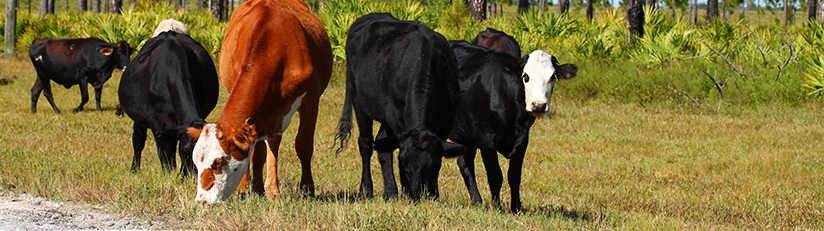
499,41
492,115
75,61
171,82
402,74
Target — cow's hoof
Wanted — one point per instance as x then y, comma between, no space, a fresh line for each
76,110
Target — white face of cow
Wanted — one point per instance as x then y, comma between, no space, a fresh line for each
540,72
219,173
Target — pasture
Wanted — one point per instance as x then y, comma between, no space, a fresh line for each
595,164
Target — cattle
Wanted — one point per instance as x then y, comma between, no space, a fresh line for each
71,62
171,82
403,75
493,114
277,56
499,41
171,25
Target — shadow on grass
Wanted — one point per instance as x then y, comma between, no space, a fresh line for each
566,213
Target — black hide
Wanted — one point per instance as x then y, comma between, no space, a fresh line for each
71,62
172,82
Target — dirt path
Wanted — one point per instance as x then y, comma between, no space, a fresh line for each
24,212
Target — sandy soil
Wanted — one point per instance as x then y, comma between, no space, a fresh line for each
24,212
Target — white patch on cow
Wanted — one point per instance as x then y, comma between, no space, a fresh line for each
538,88
206,150
38,58
171,25
288,118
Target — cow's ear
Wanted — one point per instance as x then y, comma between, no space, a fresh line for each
452,149
566,71
194,132
245,136
523,60
106,51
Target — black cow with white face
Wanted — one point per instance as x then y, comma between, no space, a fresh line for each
403,75
494,113
71,62
171,82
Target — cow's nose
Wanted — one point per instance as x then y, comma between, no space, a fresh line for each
202,200
539,106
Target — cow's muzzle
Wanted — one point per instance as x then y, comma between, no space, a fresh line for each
539,107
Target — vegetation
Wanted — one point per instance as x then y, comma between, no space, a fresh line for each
658,132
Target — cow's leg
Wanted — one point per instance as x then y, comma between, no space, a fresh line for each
165,152
98,91
493,173
255,172
305,142
514,175
365,148
272,185
431,180
84,96
466,165
385,145
138,143
45,85
35,94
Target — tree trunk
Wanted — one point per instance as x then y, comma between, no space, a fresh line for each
712,10
116,6
95,6
563,7
651,3
589,10
523,6
11,25
82,5
541,4
820,10
477,9
44,8
51,6
635,17
786,11
199,5
217,11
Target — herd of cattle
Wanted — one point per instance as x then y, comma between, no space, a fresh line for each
276,60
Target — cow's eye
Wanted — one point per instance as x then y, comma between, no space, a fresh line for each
526,78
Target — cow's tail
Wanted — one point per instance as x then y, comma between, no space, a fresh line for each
345,123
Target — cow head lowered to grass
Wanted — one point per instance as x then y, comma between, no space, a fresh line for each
221,158
541,70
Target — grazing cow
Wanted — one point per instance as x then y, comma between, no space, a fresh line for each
499,41
491,115
171,82
75,61
171,25
278,58
402,74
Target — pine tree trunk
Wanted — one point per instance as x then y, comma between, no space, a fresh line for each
589,9
523,6
10,32
477,8
116,6
541,4
635,17
95,6
51,6
217,10
712,10
44,8
82,5
786,11
563,6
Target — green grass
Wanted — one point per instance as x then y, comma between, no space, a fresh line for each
598,163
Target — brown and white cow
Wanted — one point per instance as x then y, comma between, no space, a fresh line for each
277,60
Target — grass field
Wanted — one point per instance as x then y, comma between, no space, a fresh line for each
596,164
